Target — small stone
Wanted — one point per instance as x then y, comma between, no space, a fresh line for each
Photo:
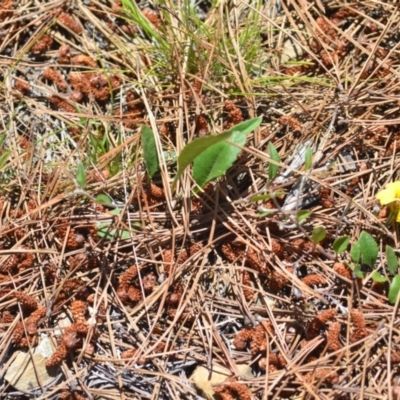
24,371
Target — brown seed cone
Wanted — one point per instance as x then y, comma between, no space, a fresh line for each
333,337
42,45
28,302
78,310
233,390
314,280
342,270
57,357
359,328
68,21
54,76
31,323
318,323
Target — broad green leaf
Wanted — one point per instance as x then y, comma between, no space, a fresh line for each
302,215
394,289
149,151
308,163
355,252
340,244
391,260
274,155
318,235
217,159
368,248
80,175
103,199
379,278
197,146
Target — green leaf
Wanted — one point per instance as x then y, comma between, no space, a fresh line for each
391,260
103,199
340,244
379,278
80,175
149,151
197,146
355,252
260,197
274,155
4,158
264,214
308,163
318,235
369,249
302,215
357,271
217,159
394,289
268,196
109,234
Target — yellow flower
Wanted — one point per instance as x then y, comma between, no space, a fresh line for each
391,196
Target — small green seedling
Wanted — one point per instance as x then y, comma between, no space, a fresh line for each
365,252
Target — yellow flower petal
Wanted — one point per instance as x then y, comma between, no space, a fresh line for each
395,186
390,194
385,197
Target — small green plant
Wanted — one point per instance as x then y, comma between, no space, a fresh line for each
364,252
